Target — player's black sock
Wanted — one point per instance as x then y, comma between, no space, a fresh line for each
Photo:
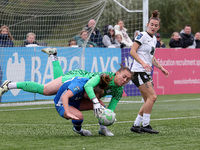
77,124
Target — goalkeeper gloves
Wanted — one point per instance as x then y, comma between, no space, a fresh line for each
98,109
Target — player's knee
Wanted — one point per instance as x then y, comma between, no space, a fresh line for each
46,92
154,97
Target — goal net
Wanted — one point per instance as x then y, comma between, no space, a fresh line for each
54,23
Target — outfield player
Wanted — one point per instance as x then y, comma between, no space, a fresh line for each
115,88
69,96
143,51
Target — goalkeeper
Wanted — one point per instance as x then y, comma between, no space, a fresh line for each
71,94
115,88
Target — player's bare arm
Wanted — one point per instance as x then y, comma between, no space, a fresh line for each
65,101
157,65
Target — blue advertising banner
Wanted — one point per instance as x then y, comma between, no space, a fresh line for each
20,64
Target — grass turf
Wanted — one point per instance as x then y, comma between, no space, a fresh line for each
177,117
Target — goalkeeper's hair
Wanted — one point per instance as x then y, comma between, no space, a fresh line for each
103,84
122,68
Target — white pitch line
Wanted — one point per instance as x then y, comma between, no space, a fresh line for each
164,101
159,119
26,109
26,103
51,102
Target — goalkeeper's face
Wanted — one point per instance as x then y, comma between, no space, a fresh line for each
122,77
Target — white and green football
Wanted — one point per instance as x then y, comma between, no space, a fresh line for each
107,118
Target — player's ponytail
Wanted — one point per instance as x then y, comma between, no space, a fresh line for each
155,15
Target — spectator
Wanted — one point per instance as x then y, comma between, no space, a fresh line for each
196,43
135,34
159,43
119,29
119,39
197,39
109,39
81,39
187,37
6,40
95,35
175,41
72,43
31,42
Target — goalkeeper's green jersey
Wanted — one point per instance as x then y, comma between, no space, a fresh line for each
113,90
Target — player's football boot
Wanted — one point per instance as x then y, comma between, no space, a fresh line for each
50,51
105,132
83,132
136,129
148,129
4,87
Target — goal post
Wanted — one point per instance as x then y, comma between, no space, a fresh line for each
55,22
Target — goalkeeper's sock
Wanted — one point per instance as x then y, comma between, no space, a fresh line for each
138,120
53,58
57,69
30,86
12,85
146,120
77,124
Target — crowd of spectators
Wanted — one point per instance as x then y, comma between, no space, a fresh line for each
185,39
112,37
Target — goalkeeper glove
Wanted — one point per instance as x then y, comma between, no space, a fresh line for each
98,109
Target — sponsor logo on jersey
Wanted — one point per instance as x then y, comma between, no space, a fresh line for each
139,36
77,88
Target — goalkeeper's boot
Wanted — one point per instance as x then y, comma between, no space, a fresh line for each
148,129
136,129
4,87
83,132
50,51
105,132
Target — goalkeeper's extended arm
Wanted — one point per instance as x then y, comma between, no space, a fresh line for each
90,85
98,109
113,103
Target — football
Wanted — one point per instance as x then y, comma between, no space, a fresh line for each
108,118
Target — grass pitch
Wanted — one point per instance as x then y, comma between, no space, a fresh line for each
177,117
